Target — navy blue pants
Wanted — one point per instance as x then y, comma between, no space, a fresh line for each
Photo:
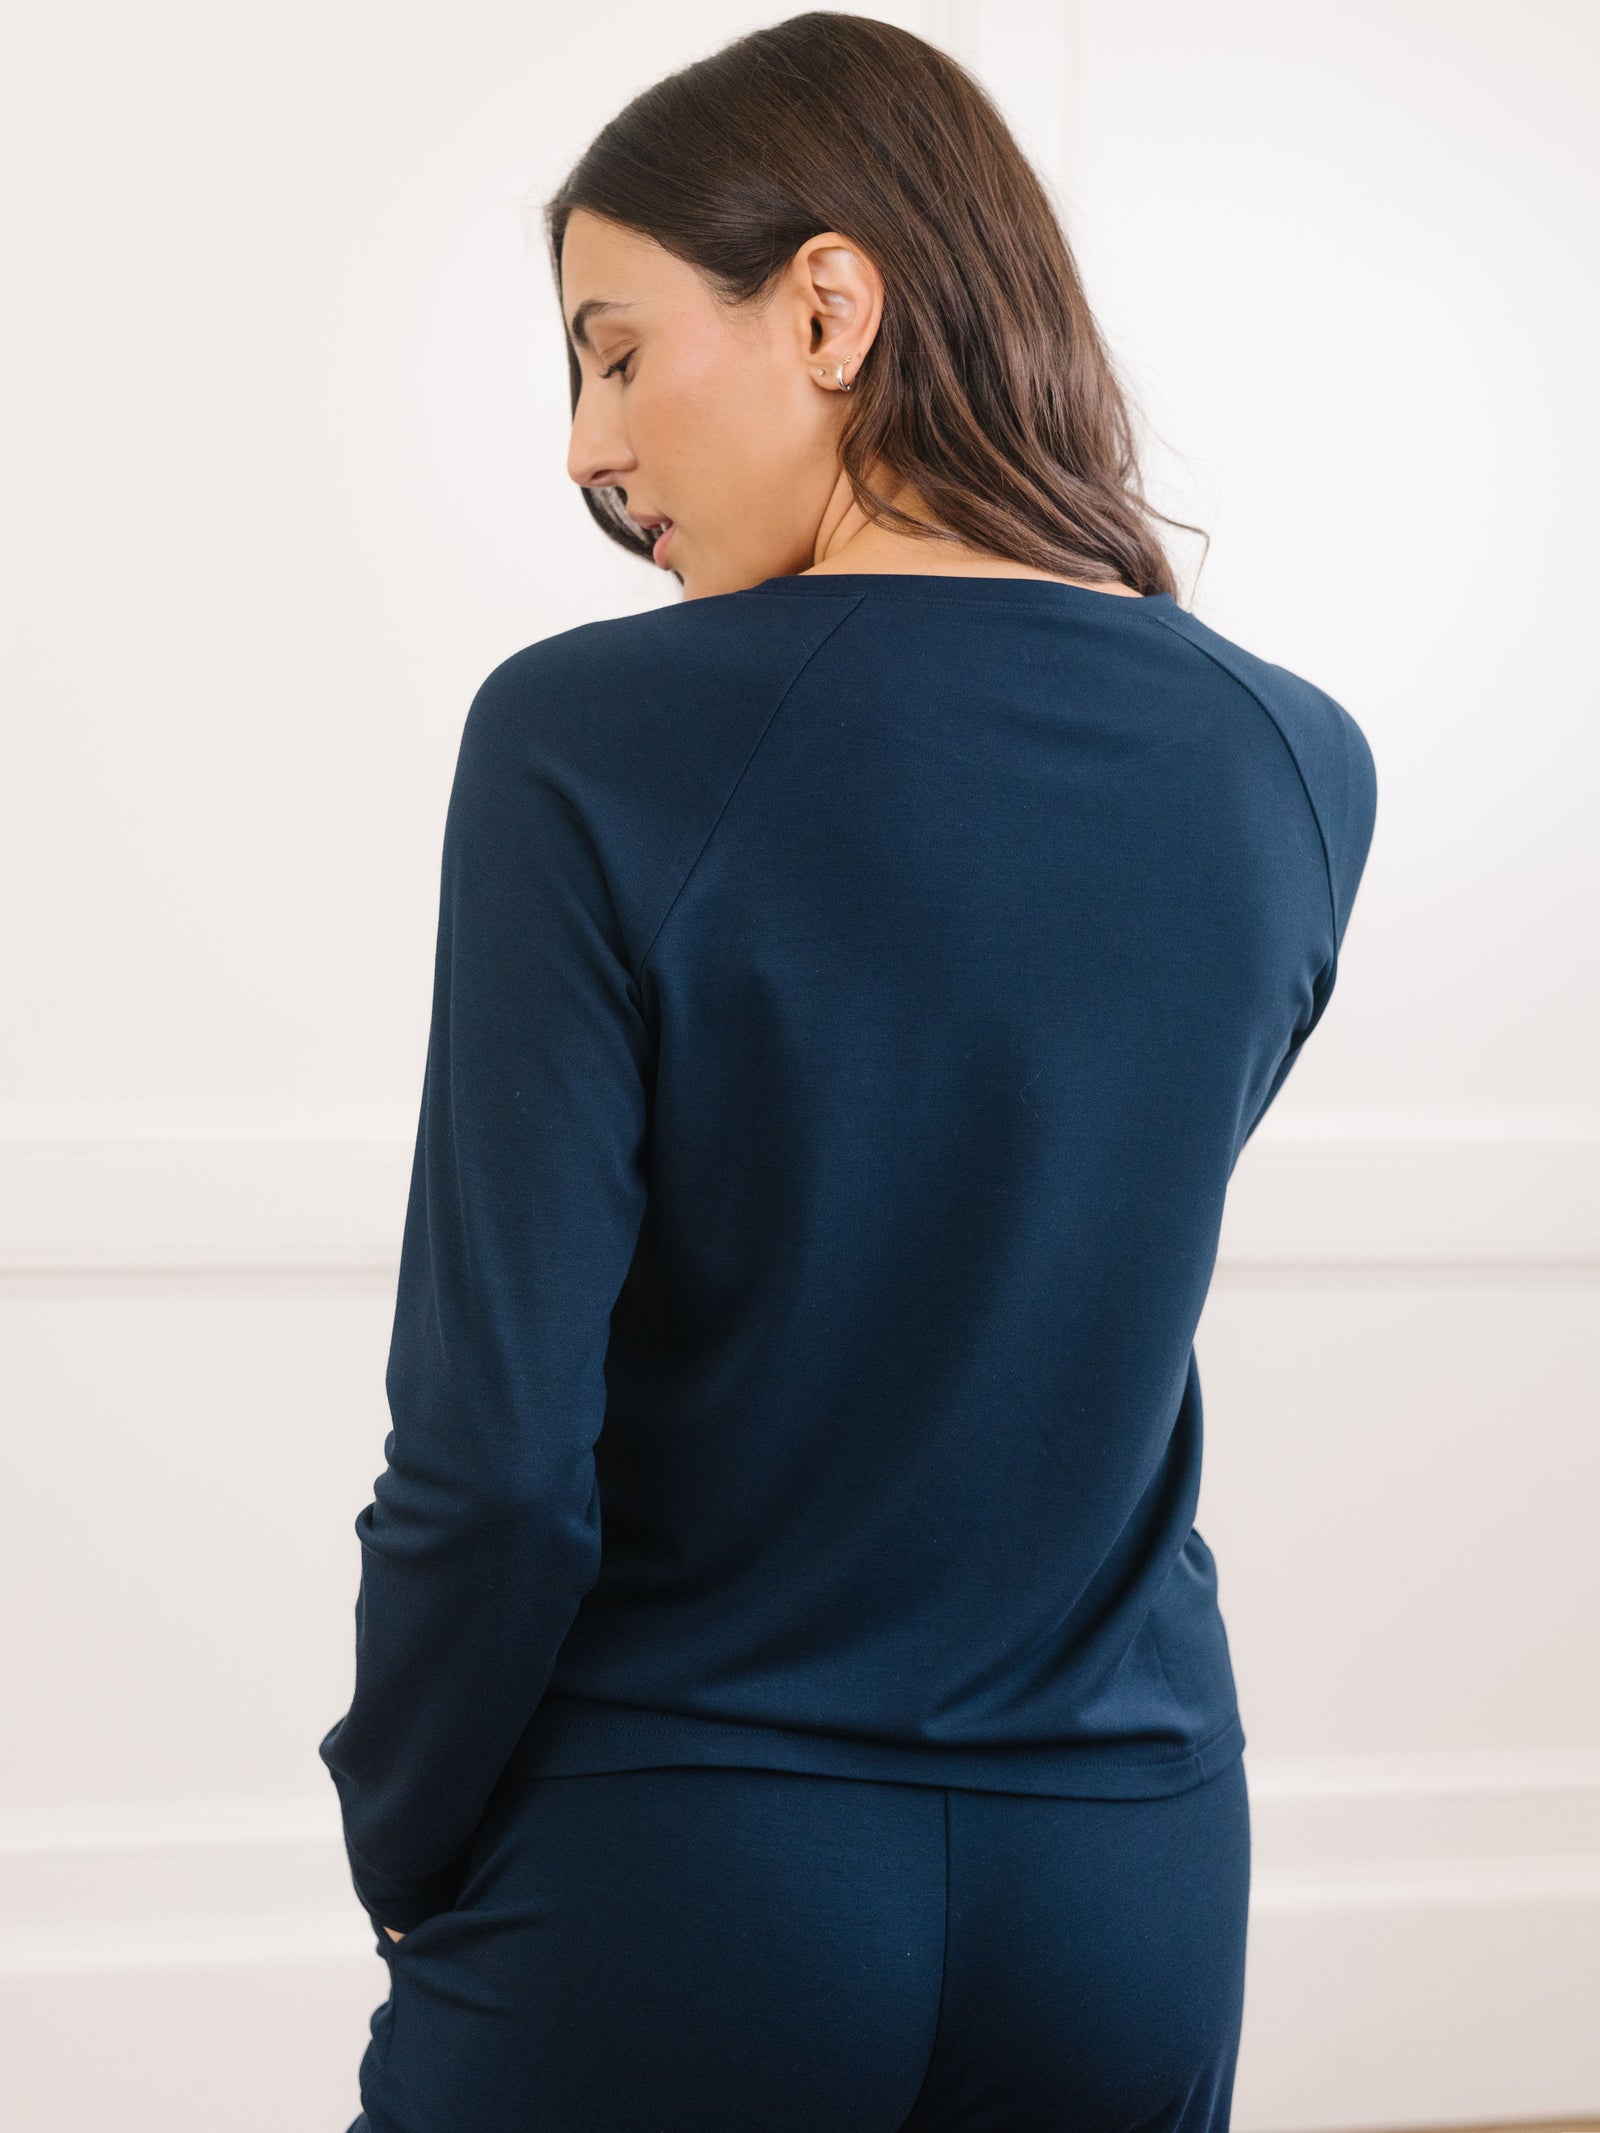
715,1950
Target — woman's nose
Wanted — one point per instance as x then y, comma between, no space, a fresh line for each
597,458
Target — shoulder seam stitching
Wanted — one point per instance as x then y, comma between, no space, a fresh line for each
694,864
1257,698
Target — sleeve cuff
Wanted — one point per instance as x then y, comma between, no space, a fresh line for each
404,1904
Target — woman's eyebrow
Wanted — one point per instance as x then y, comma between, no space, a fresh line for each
587,310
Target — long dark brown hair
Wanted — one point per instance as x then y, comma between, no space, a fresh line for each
988,386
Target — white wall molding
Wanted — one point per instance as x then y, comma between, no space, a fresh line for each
322,1191
1431,1920
1429,1191
109,1883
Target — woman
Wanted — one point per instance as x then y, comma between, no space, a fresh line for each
855,983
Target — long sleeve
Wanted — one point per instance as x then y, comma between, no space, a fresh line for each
526,1198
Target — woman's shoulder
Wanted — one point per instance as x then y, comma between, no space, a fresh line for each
635,731
1329,748
1306,713
693,679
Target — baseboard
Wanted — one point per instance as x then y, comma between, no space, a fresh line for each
106,1190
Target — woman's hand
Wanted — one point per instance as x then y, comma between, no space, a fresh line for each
393,1935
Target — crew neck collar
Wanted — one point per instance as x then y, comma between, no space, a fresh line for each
943,586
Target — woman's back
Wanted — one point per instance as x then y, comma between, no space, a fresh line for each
790,1690
853,995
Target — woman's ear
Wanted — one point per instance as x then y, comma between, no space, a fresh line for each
840,294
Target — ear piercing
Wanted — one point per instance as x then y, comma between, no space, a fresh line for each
839,374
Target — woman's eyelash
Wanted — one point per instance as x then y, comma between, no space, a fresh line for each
621,360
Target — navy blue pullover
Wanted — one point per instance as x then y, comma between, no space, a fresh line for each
851,997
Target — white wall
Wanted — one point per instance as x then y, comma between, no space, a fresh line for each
286,399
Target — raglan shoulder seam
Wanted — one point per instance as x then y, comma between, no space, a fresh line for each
1256,697
755,748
